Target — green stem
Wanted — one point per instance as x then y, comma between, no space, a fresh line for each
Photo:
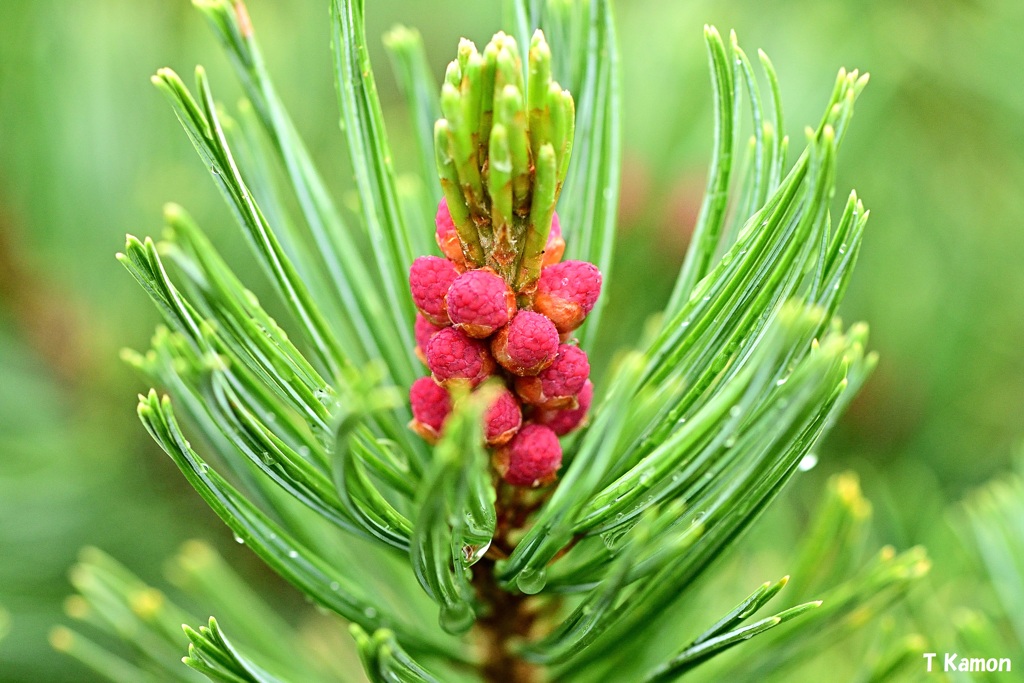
449,177
541,211
503,248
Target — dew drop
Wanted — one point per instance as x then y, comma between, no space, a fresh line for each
370,612
239,539
456,618
293,554
335,585
780,382
325,396
475,553
532,581
808,462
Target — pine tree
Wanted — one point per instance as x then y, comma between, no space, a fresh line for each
301,444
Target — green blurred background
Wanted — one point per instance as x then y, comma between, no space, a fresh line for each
90,151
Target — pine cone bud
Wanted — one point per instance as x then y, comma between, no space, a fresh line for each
557,386
502,419
431,406
564,421
429,279
531,458
555,248
567,292
447,236
479,302
527,345
423,329
453,357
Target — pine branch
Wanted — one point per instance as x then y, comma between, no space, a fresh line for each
591,191
993,516
853,589
409,61
112,601
204,129
384,660
307,458
455,517
719,638
365,336
212,654
371,158
101,661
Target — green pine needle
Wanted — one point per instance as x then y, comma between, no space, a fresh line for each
212,654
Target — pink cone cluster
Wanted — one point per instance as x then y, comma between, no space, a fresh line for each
469,328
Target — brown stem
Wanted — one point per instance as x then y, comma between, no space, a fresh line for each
507,617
